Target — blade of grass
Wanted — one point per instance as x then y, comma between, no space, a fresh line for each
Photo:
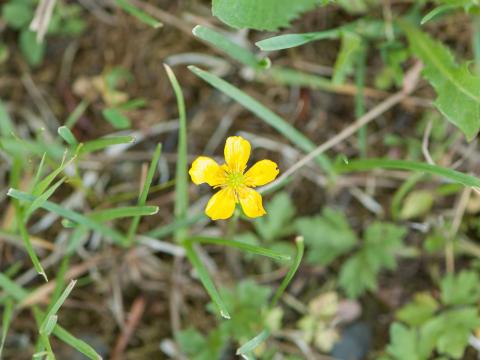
252,344
272,119
76,114
39,172
360,100
102,143
369,164
41,186
291,272
6,123
230,48
71,215
142,199
402,191
139,14
67,135
181,183
206,279
293,40
122,212
254,249
20,219
6,320
37,203
50,319
12,289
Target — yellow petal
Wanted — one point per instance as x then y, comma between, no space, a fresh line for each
221,205
261,173
237,152
251,202
205,169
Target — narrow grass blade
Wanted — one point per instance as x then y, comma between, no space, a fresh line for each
6,124
41,186
254,249
438,11
369,164
37,203
293,77
139,14
292,40
76,114
122,212
50,319
144,193
26,241
206,279
181,183
71,215
230,48
76,343
170,228
6,320
12,289
291,272
402,191
67,135
252,344
272,119
39,172
102,143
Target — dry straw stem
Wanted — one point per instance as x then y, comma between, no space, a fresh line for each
410,83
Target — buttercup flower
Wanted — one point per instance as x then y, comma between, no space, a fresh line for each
235,184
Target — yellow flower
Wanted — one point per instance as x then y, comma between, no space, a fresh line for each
235,184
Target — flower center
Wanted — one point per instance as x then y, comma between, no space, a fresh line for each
235,179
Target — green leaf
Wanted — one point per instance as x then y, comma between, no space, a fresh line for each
199,347
181,175
248,301
17,14
139,14
31,50
403,343
67,135
261,15
102,143
118,120
122,212
278,220
417,312
449,332
460,289
328,236
252,344
359,273
350,49
457,88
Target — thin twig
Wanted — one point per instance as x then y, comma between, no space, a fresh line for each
425,142
411,79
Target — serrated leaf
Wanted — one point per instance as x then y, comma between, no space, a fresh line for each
403,343
328,236
461,289
449,332
357,276
280,213
261,15
421,309
458,90
359,273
